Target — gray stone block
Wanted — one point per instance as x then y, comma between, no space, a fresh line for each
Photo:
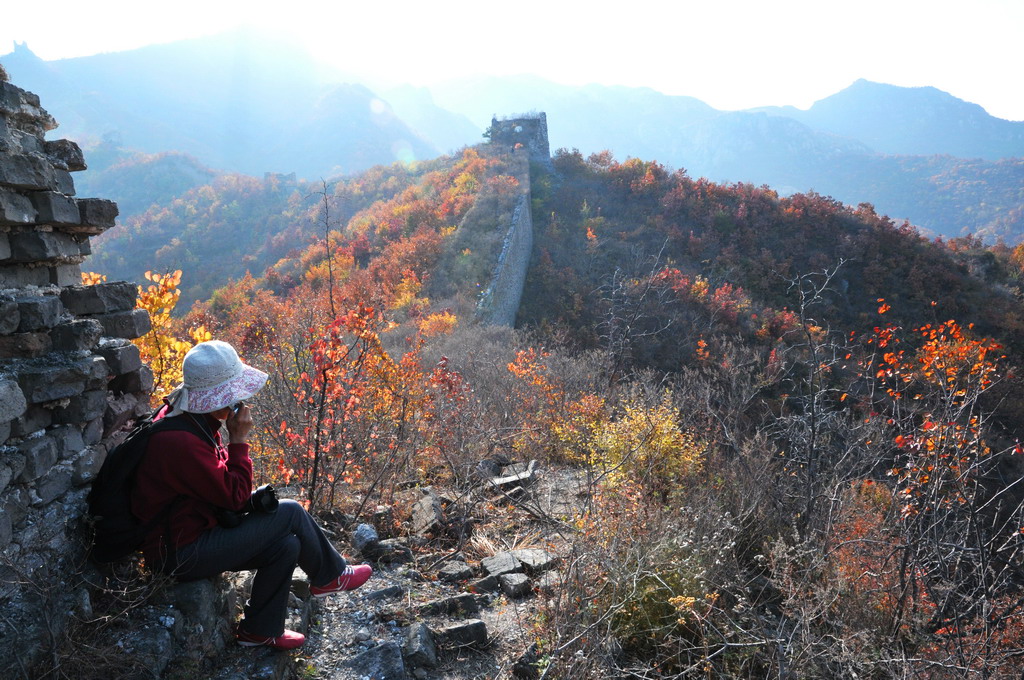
82,408
488,584
54,208
16,208
121,355
66,152
77,335
5,431
197,600
455,571
535,560
10,318
103,298
87,465
427,515
6,531
119,412
92,433
12,400
25,345
515,585
472,632
68,439
151,646
40,455
43,246
97,213
97,373
28,143
6,476
46,383
24,171
16,501
53,484
64,275
21,104
365,539
34,419
12,98
22,276
382,661
140,381
38,313
420,650
63,181
501,563
394,551
458,605
133,324
5,247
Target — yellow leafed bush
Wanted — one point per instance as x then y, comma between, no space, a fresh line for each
161,348
644,444
441,323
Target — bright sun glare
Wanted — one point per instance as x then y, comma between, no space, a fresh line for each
732,55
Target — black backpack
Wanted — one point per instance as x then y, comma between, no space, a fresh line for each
117,532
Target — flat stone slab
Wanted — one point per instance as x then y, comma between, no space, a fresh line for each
488,584
536,560
501,563
472,632
458,605
455,571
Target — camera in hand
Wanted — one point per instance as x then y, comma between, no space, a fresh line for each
263,499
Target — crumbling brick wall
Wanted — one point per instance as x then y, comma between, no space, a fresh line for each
70,379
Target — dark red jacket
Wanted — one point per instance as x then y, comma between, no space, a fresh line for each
197,470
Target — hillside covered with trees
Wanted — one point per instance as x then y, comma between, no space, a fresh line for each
787,429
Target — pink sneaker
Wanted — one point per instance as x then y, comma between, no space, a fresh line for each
286,640
350,579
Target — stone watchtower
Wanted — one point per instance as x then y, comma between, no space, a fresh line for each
529,130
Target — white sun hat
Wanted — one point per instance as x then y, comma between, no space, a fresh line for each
214,377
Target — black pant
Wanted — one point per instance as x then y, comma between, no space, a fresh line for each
272,544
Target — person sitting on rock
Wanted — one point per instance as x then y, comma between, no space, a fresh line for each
193,474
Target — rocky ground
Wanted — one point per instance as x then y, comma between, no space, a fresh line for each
437,607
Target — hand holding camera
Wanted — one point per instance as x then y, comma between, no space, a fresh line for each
263,499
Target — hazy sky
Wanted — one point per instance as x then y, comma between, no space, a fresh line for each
732,55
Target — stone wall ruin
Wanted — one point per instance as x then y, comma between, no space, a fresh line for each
528,130
70,379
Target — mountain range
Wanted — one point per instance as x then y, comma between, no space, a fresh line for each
245,102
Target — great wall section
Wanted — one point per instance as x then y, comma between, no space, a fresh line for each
526,135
